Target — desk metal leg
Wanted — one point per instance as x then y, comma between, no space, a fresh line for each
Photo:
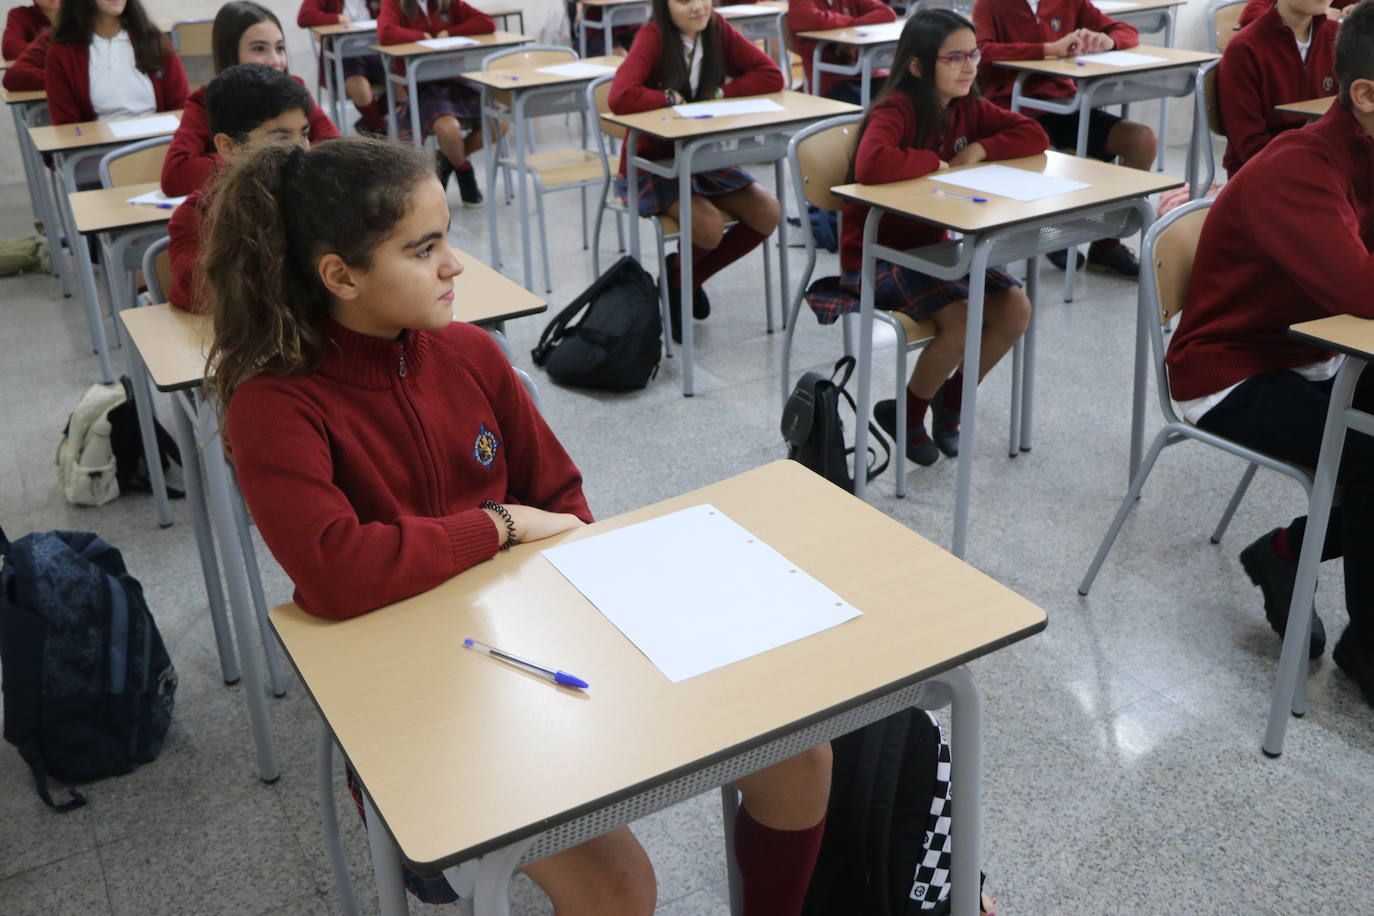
684,263
1028,382
522,191
780,181
632,191
491,128
393,129
1293,658
386,863
269,642
413,106
329,822
240,603
65,182
968,415
182,408
1141,371
491,896
865,362
1080,150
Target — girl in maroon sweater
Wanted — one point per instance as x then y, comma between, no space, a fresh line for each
25,23
927,118
361,73
687,53
447,107
384,447
138,71
1288,55
244,33
29,72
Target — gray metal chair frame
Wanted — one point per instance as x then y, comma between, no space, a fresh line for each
1176,429
1212,10
1204,175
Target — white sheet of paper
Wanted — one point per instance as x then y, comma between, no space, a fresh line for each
726,108
1017,184
695,591
364,24
156,196
1113,6
1119,58
745,9
137,127
576,68
452,41
887,31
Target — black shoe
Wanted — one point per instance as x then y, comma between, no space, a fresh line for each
919,448
674,307
442,168
1357,663
1275,579
701,304
467,189
1060,258
944,425
1118,259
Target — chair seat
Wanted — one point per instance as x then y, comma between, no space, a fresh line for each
561,167
916,329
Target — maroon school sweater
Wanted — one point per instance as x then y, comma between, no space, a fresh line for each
888,152
22,26
68,76
1289,239
819,15
365,476
1261,69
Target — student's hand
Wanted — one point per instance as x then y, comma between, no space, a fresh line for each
427,35
443,34
1095,42
1067,46
1335,13
942,166
343,20
972,153
535,524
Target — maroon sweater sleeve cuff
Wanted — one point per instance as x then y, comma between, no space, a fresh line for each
471,537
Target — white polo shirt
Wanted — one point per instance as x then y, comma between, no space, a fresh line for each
118,88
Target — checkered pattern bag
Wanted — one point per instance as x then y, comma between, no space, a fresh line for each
931,884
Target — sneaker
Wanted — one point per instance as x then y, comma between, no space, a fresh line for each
944,425
919,448
1275,579
1357,663
1118,259
467,189
1060,259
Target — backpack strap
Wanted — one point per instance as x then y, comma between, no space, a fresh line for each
555,330
844,368
40,782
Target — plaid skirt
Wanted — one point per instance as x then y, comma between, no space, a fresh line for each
455,98
657,194
896,289
368,65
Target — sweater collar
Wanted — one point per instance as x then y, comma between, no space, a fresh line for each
1273,23
1340,128
368,362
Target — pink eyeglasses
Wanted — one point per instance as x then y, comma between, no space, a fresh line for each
958,58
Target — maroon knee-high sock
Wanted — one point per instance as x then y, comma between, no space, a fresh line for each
775,865
738,241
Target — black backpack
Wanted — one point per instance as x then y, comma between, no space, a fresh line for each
616,344
886,847
814,432
88,686
126,441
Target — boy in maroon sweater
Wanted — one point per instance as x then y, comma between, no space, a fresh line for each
1037,29
1289,239
818,15
1288,55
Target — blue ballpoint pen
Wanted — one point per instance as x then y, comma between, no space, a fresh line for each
562,678
968,197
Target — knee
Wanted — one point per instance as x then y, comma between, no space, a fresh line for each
629,890
1137,141
708,228
766,215
447,130
1013,312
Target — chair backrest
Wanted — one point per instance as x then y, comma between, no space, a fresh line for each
1212,100
192,41
820,158
599,102
1166,259
1223,21
157,270
529,56
136,163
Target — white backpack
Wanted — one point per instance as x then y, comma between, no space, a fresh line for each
85,460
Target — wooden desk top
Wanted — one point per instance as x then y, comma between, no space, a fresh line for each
859,35
1070,68
797,106
462,756
1144,6
109,208
916,198
173,343
1342,333
27,95
530,77
60,137
1312,108
329,31
496,39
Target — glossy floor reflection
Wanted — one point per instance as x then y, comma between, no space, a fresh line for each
1123,772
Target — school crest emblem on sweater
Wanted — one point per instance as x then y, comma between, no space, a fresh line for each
484,446
960,143
1328,84
1056,23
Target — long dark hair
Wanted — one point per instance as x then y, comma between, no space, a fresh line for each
411,8
921,39
266,231
232,20
76,25
673,67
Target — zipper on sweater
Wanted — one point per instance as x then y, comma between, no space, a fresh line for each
421,435
401,362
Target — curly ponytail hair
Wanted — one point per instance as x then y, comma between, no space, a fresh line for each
274,213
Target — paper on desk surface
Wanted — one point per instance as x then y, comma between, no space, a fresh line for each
695,591
885,30
363,24
1112,6
1017,184
728,107
451,41
745,9
153,124
1120,58
156,196
576,68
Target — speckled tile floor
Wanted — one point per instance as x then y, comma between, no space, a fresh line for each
1122,774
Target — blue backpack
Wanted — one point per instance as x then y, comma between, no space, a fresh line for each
88,686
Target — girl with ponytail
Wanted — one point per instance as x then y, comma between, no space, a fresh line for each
384,448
